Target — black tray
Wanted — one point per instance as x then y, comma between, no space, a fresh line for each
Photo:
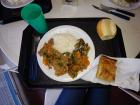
114,47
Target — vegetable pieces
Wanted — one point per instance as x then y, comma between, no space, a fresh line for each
53,58
78,59
71,63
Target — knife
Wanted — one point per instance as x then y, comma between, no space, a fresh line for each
113,13
119,10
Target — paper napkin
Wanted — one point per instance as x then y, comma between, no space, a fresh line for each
127,73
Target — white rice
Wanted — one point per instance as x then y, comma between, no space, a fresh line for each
64,42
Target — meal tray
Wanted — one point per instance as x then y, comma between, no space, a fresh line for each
113,47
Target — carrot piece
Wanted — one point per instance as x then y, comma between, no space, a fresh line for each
78,54
45,61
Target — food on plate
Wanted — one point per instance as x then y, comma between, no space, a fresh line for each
70,61
106,69
62,38
52,57
124,3
106,29
79,58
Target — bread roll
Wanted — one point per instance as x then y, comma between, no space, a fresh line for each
106,29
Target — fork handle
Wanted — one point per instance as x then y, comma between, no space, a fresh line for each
125,12
120,15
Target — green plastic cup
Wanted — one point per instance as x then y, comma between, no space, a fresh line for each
32,14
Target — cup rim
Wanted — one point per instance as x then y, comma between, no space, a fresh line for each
28,6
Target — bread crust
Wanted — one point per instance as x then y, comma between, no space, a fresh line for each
99,29
105,25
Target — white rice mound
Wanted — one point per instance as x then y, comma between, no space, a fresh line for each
64,42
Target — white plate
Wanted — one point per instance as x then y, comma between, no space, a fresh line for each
132,5
78,33
19,4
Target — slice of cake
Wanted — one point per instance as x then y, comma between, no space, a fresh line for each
106,69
